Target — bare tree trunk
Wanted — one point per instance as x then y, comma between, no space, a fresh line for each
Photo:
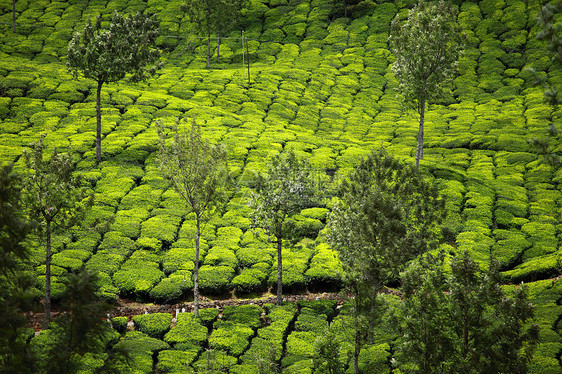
218,47
357,349
279,272
196,269
209,51
48,278
98,121
14,16
419,149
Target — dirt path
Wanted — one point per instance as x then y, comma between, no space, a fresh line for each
130,308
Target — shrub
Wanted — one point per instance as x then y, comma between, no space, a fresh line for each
215,279
230,337
120,323
154,325
170,289
178,259
214,361
308,320
325,268
221,256
301,343
105,261
187,330
249,280
161,227
244,314
253,254
172,361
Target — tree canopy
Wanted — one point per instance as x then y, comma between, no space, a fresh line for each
387,215
108,55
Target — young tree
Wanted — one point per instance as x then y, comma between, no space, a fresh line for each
388,214
15,300
463,322
210,16
55,199
197,171
427,47
287,188
108,55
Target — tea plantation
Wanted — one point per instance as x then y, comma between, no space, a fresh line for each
320,84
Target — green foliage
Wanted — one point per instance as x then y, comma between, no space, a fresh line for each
172,361
426,48
187,330
56,199
473,326
214,279
287,189
154,325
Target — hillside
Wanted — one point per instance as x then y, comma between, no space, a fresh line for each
320,84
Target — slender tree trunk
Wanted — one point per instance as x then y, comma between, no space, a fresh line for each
48,278
218,47
279,271
98,122
357,349
196,269
14,16
209,51
419,149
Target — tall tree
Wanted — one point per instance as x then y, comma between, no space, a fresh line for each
108,55
387,215
198,172
286,189
209,16
463,322
15,355
56,199
426,46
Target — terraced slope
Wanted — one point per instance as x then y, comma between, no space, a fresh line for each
319,84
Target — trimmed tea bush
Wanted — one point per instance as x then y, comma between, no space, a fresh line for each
154,325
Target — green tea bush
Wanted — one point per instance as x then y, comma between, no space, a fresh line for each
248,315
161,227
214,361
309,320
230,337
215,279
181,279
105,261
249,280
187,330
325,269
178,259
221,256
154,325
139,274
536,268
120,324
301,343
173,361
141,348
